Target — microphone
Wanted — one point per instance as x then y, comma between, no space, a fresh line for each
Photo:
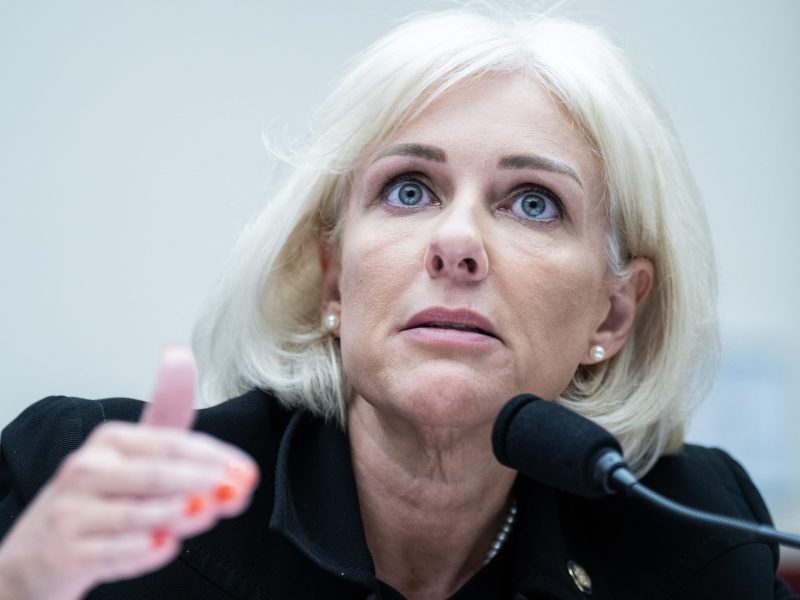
556,446
559,448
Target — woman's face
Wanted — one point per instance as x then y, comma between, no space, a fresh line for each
472,265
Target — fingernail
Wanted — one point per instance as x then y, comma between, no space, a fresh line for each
159,537
195,504
241,473
225,492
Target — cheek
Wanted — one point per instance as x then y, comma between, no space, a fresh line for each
556,296
373,266
570,291
378,264
554,283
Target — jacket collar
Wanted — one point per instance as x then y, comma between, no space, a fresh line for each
316,508
316,503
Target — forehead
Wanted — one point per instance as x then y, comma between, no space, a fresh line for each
501,114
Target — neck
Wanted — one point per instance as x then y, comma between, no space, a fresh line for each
432,499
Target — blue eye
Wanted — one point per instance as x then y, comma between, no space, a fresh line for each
408,193
537,205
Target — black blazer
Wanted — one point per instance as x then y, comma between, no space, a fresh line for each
302,537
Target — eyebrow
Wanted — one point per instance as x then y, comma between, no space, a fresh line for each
420,150
530,161
514,161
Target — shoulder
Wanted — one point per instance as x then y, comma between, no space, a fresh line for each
730,564
708,478
36,442
634,545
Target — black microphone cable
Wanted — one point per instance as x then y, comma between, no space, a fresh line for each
560,448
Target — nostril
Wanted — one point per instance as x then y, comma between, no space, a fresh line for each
461,260
471,265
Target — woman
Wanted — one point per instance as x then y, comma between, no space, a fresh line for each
485,208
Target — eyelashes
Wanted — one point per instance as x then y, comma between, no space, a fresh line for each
408,191
527,203
538,204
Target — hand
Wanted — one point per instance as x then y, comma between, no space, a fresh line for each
120,505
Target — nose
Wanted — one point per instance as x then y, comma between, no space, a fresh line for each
457,251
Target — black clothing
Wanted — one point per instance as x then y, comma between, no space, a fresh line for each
302,537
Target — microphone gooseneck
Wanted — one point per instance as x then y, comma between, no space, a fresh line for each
564,450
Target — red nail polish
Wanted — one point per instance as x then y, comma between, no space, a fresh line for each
159,537
225,492
195,504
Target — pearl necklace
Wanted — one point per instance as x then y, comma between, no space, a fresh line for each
502,535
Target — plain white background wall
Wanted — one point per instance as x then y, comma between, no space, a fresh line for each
131,156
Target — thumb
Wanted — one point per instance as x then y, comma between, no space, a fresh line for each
172,404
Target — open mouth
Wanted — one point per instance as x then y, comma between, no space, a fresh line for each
454,326
444,319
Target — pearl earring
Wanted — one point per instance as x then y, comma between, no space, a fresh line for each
331,322
598,353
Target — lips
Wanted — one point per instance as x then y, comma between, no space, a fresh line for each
454,319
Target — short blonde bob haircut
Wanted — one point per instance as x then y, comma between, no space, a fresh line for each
263,327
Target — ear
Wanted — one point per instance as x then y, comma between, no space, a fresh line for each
626,295
330,265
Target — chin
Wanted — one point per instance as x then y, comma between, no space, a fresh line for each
447,402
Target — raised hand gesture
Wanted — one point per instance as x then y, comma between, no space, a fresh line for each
120,505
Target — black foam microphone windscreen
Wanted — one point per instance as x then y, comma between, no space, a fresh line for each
551,444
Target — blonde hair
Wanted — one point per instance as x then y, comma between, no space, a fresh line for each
263,327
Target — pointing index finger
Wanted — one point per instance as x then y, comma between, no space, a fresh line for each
172,404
